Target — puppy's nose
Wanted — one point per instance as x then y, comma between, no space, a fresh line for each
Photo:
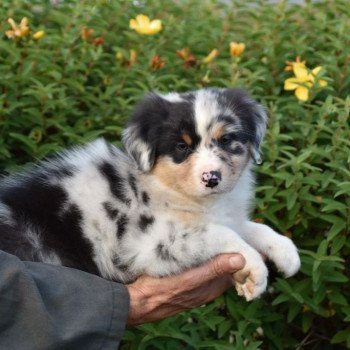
211,178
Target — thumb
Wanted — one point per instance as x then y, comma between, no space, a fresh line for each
224,264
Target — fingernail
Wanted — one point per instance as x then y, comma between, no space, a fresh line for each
236,262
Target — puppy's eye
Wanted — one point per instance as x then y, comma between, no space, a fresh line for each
225,140
182,146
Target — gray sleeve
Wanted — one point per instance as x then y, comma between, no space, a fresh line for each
44,307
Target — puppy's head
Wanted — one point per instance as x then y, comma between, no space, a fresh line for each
198,143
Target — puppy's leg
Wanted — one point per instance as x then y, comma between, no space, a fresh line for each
280,249
251,281
161,253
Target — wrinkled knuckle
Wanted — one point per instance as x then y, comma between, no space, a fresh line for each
217,268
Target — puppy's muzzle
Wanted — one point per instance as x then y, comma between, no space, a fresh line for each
211,178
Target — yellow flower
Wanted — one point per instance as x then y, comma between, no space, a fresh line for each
18,31
303,81
214,53
298,62
236,49
143,25
39,35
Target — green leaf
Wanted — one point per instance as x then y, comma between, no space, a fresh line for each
224,327
340,337
291,200
335,229
337,298
293,311
332,205
31,144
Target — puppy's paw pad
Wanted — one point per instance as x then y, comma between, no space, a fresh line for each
251,283
241,276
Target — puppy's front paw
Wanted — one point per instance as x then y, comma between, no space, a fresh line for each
251,281
285,256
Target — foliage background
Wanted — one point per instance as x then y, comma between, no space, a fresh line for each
65,89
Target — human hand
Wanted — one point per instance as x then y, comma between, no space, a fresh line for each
153,299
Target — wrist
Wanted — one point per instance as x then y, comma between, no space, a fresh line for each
136,304
147,301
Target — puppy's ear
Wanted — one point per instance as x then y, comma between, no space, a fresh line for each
259,117
253,118
143,130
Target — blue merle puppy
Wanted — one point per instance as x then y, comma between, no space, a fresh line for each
179,195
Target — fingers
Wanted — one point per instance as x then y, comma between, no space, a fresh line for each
156,298
219,266
222,265
216,288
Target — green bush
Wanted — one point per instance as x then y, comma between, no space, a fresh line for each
73,85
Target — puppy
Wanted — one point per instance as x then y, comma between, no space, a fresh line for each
179,195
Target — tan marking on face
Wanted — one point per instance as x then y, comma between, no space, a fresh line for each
187,139
184,178
176,176
218,131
